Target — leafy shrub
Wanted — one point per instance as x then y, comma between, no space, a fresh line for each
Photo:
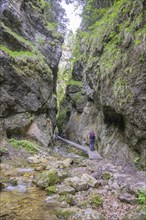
142,196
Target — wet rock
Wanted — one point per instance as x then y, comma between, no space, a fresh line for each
89,214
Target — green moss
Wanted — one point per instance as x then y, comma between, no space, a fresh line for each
17,54
106,176
95,200
3,150
141,196
67,198
53,178
140,36
46,19
63,214
75,83
48,178
136,159
40,40
27,60
62,118
107,21
24,144
109,31
122,92
19,38
51,27
40,5
111,57
28,63
51,190
76,96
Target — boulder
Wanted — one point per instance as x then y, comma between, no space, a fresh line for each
77,183
91,181
47,178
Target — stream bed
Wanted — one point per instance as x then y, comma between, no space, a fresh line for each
23,200
81,187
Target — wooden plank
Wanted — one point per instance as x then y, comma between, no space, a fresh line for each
78,146
93,155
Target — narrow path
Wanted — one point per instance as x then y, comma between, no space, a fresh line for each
93,155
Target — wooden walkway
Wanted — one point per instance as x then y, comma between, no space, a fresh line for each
93,155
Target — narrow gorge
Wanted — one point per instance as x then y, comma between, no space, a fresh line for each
101,87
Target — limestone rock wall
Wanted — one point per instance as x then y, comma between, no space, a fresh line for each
30,49
111,69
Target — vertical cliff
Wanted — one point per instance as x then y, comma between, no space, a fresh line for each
108,87
30,49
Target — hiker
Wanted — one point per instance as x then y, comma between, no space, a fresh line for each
91,140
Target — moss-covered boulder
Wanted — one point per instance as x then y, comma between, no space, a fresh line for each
47,178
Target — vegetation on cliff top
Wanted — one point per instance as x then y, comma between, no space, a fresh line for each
106,39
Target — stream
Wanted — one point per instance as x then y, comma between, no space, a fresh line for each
24,200
20,199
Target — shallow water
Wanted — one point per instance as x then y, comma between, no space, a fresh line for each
18,205
24,170
18,188
24,201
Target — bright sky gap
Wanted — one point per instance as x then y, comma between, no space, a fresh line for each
72,13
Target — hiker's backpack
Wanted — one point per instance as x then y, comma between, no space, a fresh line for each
92,135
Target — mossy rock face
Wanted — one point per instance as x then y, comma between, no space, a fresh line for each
30,49
110,53
62,118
